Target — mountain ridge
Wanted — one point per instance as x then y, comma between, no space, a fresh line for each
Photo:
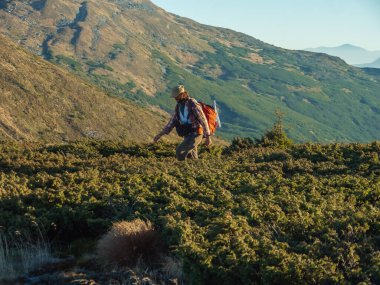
138,51
374,64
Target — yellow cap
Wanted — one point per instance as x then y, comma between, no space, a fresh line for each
178,90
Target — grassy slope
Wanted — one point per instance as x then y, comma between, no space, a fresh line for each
322,97
41,101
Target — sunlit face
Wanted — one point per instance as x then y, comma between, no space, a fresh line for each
178,97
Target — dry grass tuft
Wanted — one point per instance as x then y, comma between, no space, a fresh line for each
172,268
131,243
23,256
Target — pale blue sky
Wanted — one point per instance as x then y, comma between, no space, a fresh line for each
293,24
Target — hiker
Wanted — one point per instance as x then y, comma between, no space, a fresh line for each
190,123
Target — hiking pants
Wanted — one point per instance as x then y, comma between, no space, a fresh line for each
189,147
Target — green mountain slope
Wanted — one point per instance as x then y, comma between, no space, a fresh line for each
136,50
40,101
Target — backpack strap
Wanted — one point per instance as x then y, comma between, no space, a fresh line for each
193,104
176,111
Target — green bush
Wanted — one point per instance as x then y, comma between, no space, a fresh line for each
275,137
243,214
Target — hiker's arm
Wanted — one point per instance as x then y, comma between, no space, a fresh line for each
200,116
167,129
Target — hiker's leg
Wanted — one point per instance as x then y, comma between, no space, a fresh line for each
193,153
188,148
181,152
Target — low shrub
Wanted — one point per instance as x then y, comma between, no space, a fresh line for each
304,214
276,136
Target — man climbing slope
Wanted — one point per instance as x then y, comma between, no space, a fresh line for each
190,123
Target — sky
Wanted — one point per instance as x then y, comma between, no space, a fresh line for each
291,24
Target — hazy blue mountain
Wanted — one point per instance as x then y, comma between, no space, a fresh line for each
349,53
375,64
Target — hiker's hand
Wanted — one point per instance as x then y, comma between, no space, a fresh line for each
156,138
208,141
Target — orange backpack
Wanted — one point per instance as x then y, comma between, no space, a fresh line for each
211,116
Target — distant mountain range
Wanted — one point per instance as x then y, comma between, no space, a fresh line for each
375,64
352,55
136,51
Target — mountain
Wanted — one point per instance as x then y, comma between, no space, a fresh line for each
351,54
375,64
42,102
136,50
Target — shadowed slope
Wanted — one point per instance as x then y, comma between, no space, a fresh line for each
39,101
